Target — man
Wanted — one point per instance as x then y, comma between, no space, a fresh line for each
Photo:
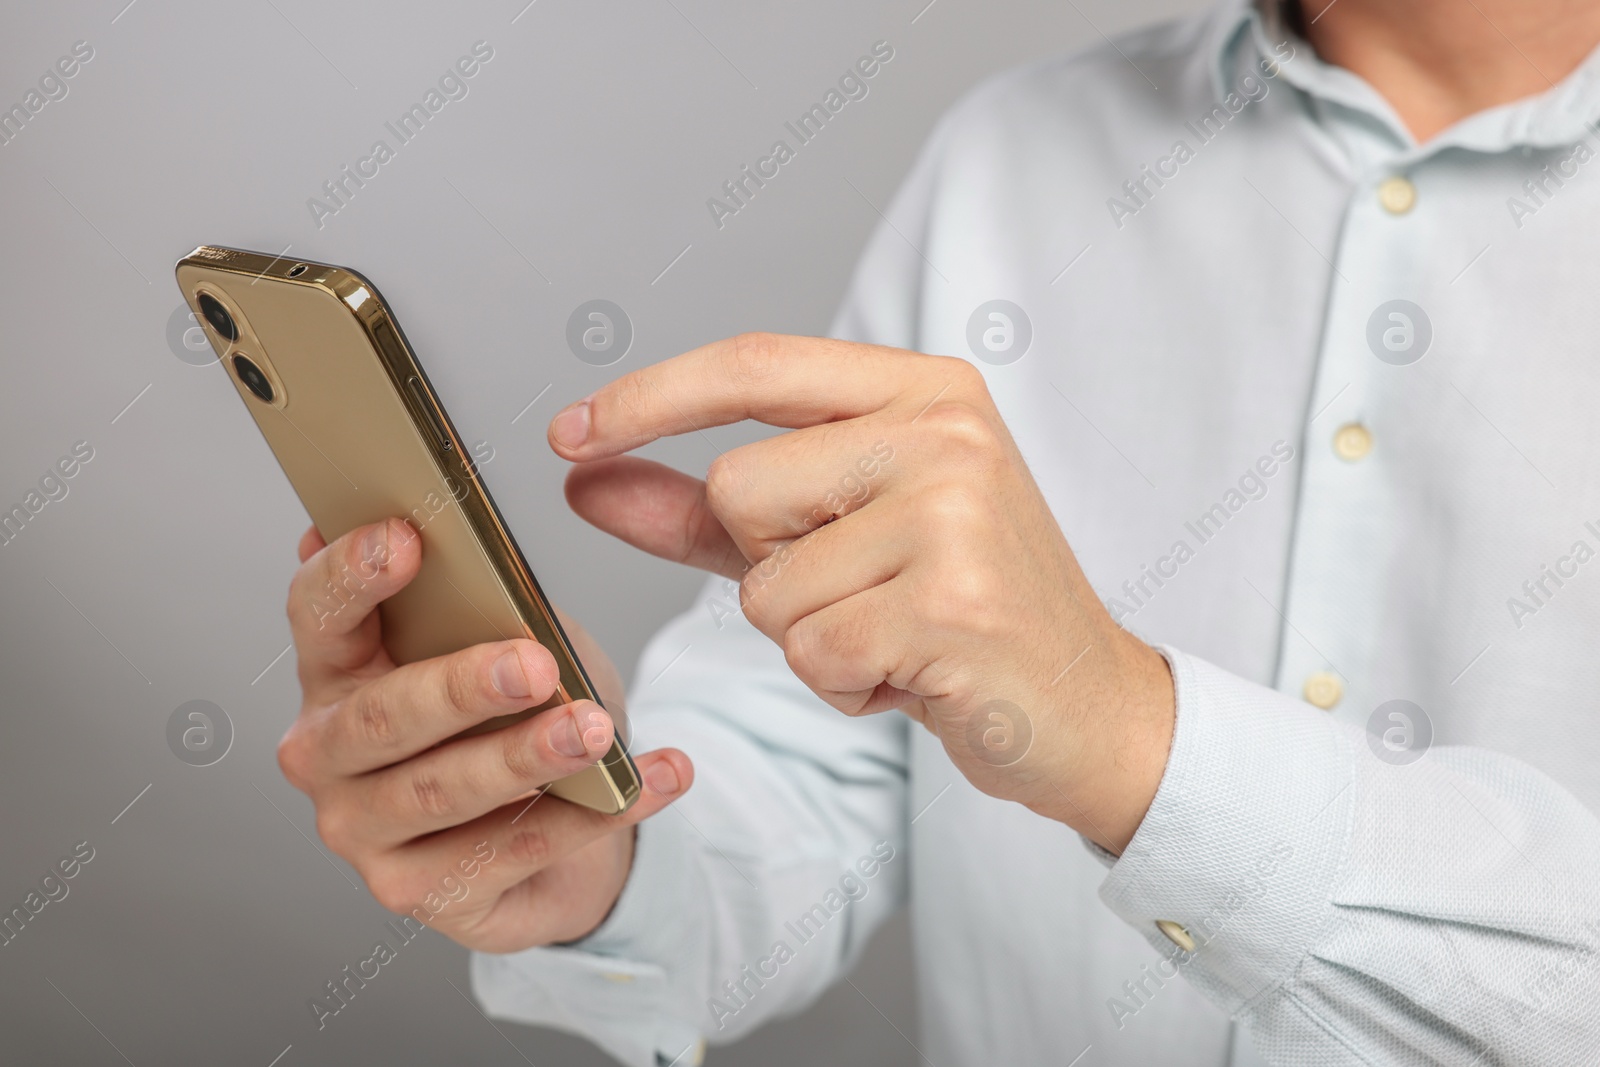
1279,318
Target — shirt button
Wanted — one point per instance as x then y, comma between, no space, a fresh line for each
1352,442
1397,195
619,977
1176,934
1323,689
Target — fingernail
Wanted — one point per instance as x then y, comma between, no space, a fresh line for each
662,778
597,734
564,736
508,677
571,426
375,546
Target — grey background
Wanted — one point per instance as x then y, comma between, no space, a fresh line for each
584,152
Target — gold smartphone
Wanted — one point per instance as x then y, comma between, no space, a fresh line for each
323,368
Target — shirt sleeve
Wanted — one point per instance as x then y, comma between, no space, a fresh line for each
756,889
1350,910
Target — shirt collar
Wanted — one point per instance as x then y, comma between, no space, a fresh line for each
1245,33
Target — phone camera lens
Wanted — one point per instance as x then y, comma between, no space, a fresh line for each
218,317
252,377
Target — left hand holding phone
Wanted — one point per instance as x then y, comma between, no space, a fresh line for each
409,807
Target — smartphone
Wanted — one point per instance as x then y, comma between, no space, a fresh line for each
324,369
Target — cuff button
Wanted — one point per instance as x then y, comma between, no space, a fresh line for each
1323,689
1176,934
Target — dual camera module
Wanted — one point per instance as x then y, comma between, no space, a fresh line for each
221,321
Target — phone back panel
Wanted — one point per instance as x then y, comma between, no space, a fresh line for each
361,436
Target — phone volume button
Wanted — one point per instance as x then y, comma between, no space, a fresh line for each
421,393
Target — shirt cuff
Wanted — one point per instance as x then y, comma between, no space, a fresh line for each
1231,874
615,987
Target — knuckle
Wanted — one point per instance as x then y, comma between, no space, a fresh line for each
842,661
301,588
392,891
431,797
531,847
335,828
966,599
950,513
464,684
516,754
294,758
722,486
803,651
757,599
625,397
697,522
390,895
964,373
853,704
755,607
963,427
754,359
374,721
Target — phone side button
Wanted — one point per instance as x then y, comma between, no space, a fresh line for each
421,395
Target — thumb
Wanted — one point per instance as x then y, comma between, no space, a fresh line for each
654,508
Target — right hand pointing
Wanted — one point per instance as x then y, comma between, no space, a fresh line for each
414,815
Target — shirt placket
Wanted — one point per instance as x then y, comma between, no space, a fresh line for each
1346,517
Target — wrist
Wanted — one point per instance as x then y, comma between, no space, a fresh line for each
1119,732
618,871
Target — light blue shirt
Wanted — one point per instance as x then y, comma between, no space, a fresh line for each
1326,437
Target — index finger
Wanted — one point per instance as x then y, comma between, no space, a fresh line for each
772,378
